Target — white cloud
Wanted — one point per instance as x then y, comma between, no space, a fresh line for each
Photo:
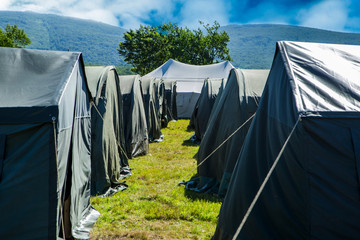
4,4
130,14
328,14
100,15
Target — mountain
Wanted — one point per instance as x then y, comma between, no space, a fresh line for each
97,41
251,45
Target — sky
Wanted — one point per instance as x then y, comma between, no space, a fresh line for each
334,15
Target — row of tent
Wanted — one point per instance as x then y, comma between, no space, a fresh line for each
287,136
67,132
282,145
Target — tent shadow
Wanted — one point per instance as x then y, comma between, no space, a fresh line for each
202,196
190,143
193,195
190,129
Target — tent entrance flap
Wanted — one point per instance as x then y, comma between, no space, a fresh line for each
2,152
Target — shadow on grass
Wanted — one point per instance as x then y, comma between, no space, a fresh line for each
202,196
190,128
193,195
190,143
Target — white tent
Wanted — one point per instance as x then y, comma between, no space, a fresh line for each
190,79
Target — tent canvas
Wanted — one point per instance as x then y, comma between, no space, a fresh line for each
170,95
189,80
109,162
204,105
161,102
136,133
312,98
152,108
44,145
237,103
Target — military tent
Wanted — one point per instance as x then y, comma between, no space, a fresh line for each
109,162
136,133
189,80
237,104
45,129
161,101
204,105
170,95
152,108
306,131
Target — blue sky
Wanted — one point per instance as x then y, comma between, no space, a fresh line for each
335,15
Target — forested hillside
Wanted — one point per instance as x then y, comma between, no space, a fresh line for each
251,46
97,41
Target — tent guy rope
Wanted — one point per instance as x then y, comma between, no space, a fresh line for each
264,182
217,148
227,139
117,142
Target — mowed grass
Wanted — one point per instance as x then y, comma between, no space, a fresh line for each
154,207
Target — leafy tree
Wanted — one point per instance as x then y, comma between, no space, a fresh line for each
150,46
13,37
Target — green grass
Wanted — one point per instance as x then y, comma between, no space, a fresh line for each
154,207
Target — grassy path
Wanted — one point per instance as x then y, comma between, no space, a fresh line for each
153,207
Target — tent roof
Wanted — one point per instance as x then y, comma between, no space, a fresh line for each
34,77
127,83
252,80
96,77
324,77
180,71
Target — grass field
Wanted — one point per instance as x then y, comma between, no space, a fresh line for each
154,207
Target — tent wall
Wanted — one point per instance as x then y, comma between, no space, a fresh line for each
135,127
82,214
170,94
26,211
200,116
237,104
188,94
152,111
108,155
161,102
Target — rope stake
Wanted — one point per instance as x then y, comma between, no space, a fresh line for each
264,182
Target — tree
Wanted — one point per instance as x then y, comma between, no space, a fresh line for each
148,47
13,37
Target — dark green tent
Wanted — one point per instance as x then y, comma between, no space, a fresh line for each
161,102
152,108
135,128
109,162
311,101
238,102
204,105
170,95
45,165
